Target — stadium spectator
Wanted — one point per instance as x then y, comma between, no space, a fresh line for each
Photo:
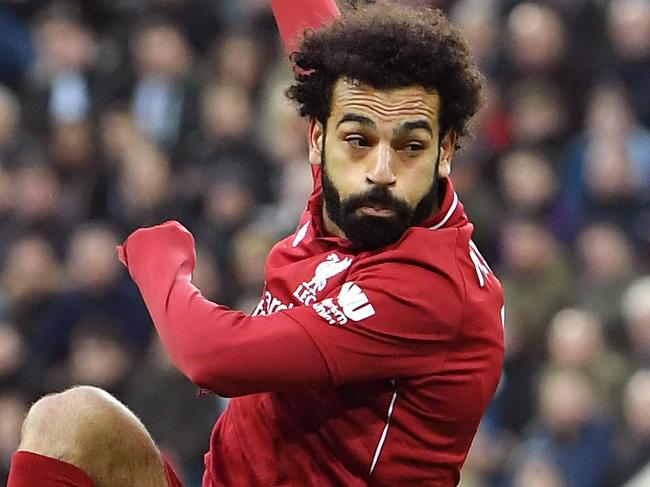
635,304
573,432
628,23
577,340
98,292
62,80
632,444
606,263
536,279
32,277
606,168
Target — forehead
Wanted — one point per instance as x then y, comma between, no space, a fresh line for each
390,105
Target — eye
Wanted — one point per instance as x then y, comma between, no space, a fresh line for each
357,141
414,146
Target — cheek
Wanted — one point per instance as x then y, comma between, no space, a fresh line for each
349,186
348,177
415,185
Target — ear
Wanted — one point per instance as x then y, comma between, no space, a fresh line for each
315,135
447,147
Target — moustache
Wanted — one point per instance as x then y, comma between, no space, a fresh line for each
378,197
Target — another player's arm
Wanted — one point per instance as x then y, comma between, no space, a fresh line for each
294,16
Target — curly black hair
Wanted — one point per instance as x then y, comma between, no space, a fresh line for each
388,46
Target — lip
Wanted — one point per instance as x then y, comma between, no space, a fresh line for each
376,211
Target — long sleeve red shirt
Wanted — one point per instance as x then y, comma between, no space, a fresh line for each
356,368
369,367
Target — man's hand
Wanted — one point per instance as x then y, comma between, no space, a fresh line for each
148,251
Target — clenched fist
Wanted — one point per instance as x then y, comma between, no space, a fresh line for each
157,250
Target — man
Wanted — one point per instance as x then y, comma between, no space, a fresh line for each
378,341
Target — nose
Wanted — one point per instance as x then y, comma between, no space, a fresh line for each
381,171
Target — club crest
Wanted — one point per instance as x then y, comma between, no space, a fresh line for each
307,291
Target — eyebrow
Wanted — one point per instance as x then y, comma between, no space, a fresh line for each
352,117
404,127
413,125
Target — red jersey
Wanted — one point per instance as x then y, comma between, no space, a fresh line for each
357,368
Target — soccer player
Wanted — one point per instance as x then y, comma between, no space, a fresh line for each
377,344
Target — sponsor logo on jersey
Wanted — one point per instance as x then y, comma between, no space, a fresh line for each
354,302
330,312
350,304
307,291
270,304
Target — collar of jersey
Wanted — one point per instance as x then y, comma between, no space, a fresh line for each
450,213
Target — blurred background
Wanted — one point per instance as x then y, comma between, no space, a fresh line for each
120,113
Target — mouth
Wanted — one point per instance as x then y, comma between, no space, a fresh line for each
376,210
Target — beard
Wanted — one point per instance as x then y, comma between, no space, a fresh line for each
369,232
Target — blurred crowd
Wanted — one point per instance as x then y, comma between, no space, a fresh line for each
116,114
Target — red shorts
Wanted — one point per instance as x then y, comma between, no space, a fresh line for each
29,469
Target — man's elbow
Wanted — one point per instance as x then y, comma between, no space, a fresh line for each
217,378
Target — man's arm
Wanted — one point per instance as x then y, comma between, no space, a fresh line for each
364,330
294,16
225,351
